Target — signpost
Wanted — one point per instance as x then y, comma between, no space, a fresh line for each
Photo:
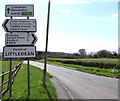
20,38
19,10
19,25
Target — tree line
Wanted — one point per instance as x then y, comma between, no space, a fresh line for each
99,54
80,54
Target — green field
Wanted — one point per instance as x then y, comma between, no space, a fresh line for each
19,87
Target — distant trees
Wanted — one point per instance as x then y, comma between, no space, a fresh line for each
82,53
100,54
104,54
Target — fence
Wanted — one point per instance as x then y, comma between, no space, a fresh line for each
14,73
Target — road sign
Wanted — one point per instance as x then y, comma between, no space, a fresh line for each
20,38
20,25
19,10
19,52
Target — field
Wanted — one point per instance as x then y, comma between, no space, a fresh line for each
110,72
19,87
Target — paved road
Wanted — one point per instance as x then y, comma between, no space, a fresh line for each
72,84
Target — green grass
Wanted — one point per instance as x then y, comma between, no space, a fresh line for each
6,65
92,70
19,87
5,68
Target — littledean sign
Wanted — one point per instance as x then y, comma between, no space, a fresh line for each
19,52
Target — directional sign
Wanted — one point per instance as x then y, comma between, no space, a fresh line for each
19,10
19,52
20,25
20,38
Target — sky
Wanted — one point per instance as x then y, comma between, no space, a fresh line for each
74,24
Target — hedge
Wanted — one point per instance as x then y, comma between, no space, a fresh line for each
89,64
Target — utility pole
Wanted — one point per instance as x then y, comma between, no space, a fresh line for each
45,59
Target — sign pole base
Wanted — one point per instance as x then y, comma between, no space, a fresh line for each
28,77
10,78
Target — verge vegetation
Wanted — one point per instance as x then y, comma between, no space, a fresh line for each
19,87
112,71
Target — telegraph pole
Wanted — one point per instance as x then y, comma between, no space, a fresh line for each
45,59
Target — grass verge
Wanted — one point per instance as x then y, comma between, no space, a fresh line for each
92,70
19,87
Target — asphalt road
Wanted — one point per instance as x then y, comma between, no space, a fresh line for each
72,84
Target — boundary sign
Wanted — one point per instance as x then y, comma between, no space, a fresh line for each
19,52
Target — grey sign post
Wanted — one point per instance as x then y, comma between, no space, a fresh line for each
19,39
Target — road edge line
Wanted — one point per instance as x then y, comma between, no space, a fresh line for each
65,88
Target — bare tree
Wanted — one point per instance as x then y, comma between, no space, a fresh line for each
82,53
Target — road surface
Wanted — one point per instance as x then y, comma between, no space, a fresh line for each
72,84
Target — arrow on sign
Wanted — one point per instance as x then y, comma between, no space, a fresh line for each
8,9
20,38
4,25
35,39
19,25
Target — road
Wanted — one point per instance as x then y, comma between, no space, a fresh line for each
72,84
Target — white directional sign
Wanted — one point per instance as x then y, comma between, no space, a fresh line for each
19,10
20,38
20,25
19,52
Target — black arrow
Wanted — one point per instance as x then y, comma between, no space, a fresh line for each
4,25
8,9
35,39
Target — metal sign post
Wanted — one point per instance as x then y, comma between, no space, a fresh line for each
28,77
10,79
28,72
19,39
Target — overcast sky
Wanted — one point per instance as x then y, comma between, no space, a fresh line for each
74,24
